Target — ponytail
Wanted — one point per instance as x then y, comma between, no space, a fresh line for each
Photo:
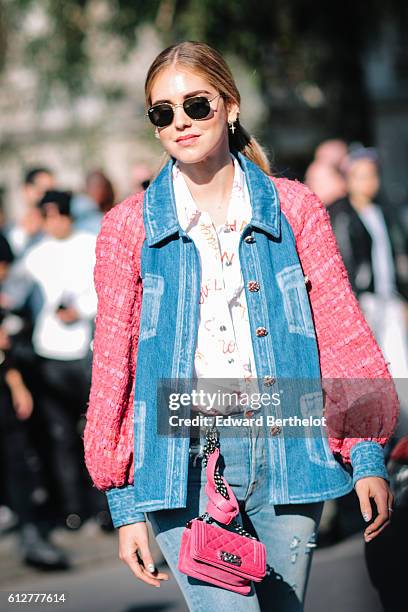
242,141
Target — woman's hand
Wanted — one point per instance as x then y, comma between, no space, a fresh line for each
134,538
378,489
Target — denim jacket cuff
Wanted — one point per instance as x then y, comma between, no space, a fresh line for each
122,506
367,459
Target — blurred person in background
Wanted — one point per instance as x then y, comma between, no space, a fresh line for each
22,478
27,231
323,176
374,251
140,176
62,265
89,207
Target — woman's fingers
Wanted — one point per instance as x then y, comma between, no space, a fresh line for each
132,562
374,534
376,488
365,506
135,552
390,505
148,566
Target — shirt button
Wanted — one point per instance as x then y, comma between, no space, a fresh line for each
223,328
253,285
231,360
249,239
261,331
228,263
269,381
276,430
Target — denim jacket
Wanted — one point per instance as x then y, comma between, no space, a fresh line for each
284,342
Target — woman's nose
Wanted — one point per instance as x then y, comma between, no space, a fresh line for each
181,119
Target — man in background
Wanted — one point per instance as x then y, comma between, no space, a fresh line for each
61,266
22,479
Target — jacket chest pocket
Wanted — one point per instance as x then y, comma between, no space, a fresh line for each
153,289
296,301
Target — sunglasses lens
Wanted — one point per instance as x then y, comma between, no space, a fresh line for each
161,115
197,108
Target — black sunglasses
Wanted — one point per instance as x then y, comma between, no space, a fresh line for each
196,108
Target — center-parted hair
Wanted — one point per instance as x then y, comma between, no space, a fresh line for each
202,59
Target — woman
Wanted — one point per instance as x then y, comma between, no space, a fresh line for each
374,252
215,215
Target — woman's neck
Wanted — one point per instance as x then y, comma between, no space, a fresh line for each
210,182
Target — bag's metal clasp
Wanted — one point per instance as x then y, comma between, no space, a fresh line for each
230,557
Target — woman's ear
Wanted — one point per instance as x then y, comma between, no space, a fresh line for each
233,112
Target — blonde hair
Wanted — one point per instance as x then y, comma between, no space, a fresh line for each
200,58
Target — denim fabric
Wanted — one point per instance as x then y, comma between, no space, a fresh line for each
121,503
288,531
367,457
302,469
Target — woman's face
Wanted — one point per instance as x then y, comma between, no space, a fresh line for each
362,179
207,137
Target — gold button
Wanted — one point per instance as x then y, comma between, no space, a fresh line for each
275,430
253,285
249,239
261,331
269,381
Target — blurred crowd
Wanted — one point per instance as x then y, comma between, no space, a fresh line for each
373,239
372,236
47,310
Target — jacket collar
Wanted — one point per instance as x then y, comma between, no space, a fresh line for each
159,208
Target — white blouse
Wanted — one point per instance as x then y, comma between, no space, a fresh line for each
224,344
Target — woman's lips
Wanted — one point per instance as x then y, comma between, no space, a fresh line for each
187,141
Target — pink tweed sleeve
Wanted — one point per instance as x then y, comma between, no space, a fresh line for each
347,347
108,435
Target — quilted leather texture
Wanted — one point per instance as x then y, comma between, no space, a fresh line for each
208,541
207,573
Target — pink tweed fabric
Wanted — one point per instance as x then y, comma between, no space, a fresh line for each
346,345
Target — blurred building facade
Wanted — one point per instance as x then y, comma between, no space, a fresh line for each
110,131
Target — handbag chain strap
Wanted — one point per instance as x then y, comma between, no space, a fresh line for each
213,442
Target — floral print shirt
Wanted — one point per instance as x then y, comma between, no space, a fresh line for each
224,344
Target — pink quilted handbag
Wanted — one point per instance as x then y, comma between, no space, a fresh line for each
229,559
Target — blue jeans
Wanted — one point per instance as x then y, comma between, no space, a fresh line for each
288,531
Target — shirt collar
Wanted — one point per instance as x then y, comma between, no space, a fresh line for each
160,211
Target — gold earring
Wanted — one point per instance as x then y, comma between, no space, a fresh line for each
232,126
